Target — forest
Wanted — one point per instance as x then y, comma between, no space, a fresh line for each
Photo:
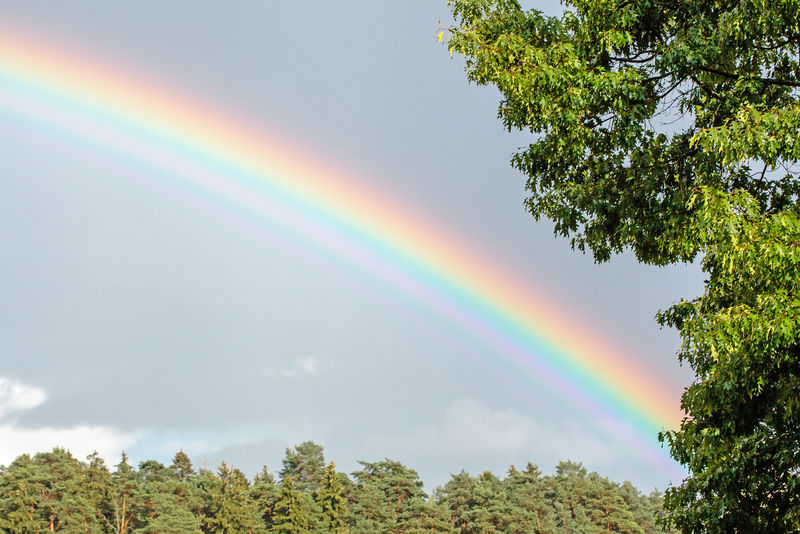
56,492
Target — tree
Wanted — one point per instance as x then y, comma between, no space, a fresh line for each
291,510
96,482
19,512
458,495
397,483
124,493
603,86
231,509
305,465
61,496
526,492
492,511
741,336
369,512
331,500
424,516
264,493
182,466
669,128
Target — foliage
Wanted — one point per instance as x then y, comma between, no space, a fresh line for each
637,104
740,336
331,500
387,497
305,465
291,510
670,128
383,492
264,492
231,509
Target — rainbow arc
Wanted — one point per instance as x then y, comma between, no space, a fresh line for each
171,137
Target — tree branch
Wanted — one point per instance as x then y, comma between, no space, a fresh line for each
766,81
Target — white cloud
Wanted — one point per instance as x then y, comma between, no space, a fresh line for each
81,440
307,366
15,396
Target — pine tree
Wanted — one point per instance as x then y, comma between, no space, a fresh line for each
61,496
264,493
492,512
124,492
458,496
369,511
164,497
182,466
96,480
331,501
19,512
291,510
231,509
422,516
567,492
525,491
607,508
305,465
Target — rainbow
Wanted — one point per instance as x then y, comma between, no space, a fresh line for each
235,164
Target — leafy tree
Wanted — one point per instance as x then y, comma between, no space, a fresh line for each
603,86
458,495
669,128
741,336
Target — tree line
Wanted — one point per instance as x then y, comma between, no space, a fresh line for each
56,492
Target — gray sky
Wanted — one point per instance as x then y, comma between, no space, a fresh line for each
137,318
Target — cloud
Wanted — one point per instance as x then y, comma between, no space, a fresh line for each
471,435
15,396
468,428
301,366
308,365
81,440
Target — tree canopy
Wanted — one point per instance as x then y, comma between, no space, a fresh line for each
55,492
638,103
669,127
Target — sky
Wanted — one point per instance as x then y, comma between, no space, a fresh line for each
144,316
